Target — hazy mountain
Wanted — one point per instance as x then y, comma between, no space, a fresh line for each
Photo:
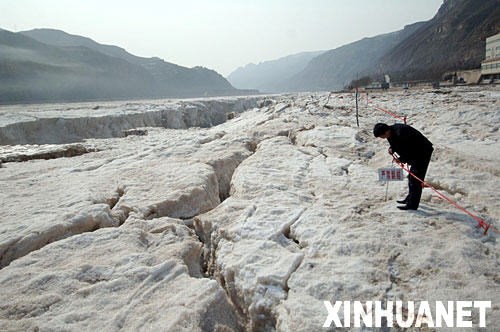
63,39
271,76
335,68
33,71
455,37
171,79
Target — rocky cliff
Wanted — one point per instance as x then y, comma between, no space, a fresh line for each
454,39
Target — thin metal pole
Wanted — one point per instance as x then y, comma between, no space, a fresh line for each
387,187
357,116
386,190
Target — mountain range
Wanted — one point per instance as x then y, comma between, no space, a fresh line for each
270,76
454,38
50,65
44,65
334,69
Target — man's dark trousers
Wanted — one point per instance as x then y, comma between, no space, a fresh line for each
419,168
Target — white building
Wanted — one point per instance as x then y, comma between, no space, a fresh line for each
490,67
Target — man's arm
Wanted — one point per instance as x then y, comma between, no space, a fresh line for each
406,141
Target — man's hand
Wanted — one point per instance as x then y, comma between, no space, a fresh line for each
395,158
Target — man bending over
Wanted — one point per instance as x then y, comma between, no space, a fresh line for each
414,149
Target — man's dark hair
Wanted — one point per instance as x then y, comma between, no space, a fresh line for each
380,129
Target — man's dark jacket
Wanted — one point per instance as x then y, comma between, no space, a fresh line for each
410,144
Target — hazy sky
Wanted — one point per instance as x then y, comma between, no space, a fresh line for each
218,34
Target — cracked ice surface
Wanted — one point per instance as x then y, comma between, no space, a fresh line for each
287,211
67,123
113,279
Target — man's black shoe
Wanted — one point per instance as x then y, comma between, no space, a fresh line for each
406,207
403,201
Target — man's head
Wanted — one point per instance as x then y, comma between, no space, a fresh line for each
381,130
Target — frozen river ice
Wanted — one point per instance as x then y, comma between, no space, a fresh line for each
163,215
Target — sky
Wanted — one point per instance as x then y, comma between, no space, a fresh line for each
218,34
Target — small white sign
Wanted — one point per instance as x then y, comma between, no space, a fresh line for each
390,174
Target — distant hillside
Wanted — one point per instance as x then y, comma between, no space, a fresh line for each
335,68
171,79
454,38
33,71
271,76
63,39
45,65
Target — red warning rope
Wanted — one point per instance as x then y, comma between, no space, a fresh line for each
380,108
481,224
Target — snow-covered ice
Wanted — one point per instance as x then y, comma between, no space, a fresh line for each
66,123
196,223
